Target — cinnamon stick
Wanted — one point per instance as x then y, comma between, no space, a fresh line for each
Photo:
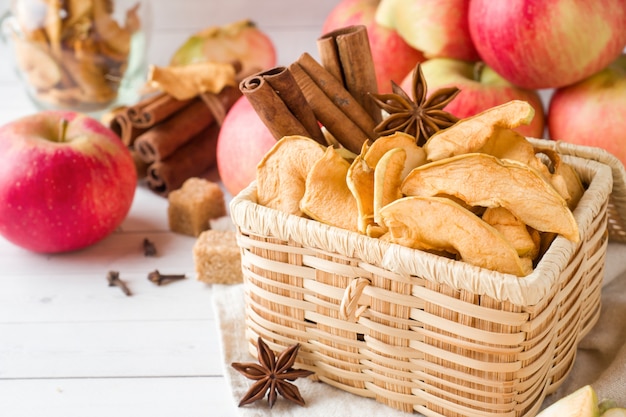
140,165
154,109
332,104
279,102
163,139
190,160
123,127
346,54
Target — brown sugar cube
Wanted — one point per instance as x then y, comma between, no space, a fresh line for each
217,257
192,206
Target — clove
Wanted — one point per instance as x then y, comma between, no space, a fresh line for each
113,277
162,279
148,248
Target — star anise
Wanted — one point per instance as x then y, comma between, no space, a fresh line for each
420,117
272,375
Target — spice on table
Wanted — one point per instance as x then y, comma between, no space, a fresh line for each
162,279
113,277
148,248
272,375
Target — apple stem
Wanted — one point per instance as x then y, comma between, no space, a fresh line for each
62,129
478,70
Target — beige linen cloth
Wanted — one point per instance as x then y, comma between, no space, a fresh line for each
600,361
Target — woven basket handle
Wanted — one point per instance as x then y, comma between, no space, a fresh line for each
349,308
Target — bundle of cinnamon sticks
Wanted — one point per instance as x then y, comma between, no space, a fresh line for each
298,99
172,140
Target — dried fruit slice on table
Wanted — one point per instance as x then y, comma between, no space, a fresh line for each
615,412
484,180
580,403
327,197
440,224
281,174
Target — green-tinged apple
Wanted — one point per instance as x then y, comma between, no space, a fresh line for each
66,181
392,56
240,41
481,88
548,43
592,112
581,403
242,142
437,28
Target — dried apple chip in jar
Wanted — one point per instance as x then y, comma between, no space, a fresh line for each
114,38
470,134
281,174
327,197
484,180
440,224
40,68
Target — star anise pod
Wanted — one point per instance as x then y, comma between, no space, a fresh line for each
272,374
420,117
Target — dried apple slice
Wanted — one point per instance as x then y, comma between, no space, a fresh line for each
327,197
360,181
281,174
563,177
440,224
484,180
115,38
53,25
615,412
508,144
471,133
514,231
387,180
581,403
415,155
40,68
188,81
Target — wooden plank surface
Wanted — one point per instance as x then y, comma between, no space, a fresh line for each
70,345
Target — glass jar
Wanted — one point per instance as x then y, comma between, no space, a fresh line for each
82,55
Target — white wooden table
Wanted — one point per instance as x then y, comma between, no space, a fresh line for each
72,346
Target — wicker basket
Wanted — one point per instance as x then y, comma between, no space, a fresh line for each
423,333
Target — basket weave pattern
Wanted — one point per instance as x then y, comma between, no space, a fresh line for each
416,331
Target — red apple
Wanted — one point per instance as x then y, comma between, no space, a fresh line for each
437,28
240,41
548,43
593,111
66,181
392,56
481,88
242,142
